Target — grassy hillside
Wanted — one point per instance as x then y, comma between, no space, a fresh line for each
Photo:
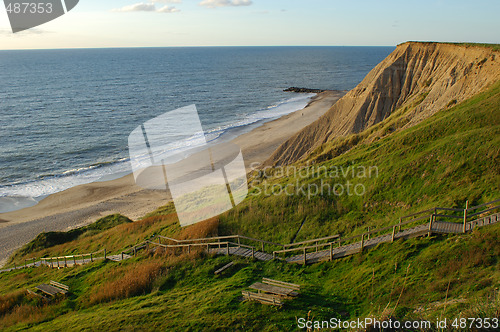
445,160
406,280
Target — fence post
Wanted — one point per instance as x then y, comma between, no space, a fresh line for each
58,267
52,263
400,221
430,225
305,258
465,214
91,258
104,254
189,248
362,241
393,233
65,263
239,242
122,255
331,251
227,248
253,252
368,233
274,254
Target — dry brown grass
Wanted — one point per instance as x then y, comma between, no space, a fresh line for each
13,310
24,313
173,256
144,224
207,228
136,281
9,301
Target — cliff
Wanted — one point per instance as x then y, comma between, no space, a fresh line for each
422,77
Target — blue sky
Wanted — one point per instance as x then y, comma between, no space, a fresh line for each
158,23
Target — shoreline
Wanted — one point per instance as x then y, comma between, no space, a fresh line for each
84,204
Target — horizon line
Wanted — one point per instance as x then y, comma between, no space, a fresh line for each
184,46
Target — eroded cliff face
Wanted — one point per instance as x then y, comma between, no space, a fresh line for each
432,76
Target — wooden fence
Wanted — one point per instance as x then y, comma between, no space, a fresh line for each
462,220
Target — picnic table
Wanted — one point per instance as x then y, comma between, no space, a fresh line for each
272,289
53,289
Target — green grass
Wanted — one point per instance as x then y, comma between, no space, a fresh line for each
51,239
445,160
186,295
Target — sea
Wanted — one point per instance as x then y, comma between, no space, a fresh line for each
65,115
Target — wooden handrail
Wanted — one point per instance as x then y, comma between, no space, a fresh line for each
305,248
484,204
258,240
448,216
481,212
201,239
450,209
418,213
313,240
192,242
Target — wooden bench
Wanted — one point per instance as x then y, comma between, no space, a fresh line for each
294,287
281,284
53,289
262,298
59,285
225,267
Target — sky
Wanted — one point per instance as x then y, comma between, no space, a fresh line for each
164,23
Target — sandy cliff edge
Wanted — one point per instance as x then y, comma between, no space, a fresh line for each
441,74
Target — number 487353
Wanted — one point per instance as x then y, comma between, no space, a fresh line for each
29,8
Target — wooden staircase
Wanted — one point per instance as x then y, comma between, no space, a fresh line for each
332,247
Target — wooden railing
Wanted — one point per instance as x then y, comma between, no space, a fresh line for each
237,238
63,261
428,216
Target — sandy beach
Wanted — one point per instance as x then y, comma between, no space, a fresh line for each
84,204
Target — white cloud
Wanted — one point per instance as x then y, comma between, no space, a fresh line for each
225,3
149,7
138,7
168,9
32,31
167,1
